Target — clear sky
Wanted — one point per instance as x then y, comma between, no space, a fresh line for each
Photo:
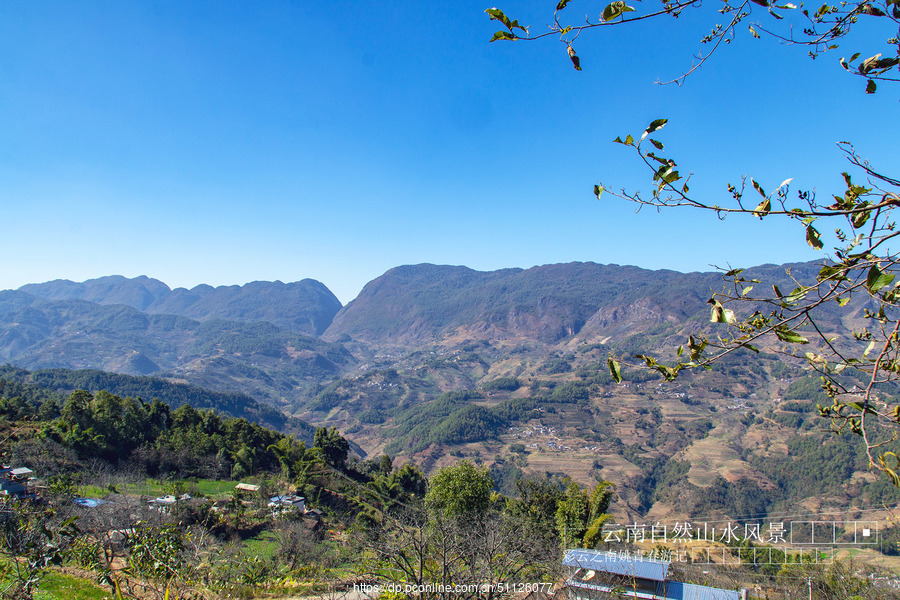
225,142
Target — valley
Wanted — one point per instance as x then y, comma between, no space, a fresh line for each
434,364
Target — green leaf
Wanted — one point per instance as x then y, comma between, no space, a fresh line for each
876,63
813,238
750,347
758,188
843,301
786,335
562,4
615,369
669,373
753,31
659,145
616,9
598,191
662,161
651,362
666,175
796,296
497,15
859,219
654,126
503,35
763,208
870,86
696,348
815,359
827,272
877,279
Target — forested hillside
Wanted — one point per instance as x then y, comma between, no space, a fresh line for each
231,404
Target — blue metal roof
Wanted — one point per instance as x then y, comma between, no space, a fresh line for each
688,591
612,563
89,502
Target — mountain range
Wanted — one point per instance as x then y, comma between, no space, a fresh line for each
306,306
279,341
412,305
434,363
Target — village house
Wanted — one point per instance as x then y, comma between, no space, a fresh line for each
16,483
596,575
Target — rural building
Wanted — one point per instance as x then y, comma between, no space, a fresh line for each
287,502
595,575
15,482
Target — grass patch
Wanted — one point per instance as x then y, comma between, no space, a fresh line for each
92,491
214,488
264,546
61,586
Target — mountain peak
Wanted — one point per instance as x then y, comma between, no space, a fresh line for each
305,306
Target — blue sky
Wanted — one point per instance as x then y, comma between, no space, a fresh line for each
226,142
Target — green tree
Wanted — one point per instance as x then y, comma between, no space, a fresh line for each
243,462
537,503
332,445
459,490
385,465
411,480
580,515
297,461
77,409
462,538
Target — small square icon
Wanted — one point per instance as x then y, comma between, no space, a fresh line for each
867,532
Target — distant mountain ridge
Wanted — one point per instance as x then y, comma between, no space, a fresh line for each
306,306
283,343
416,304
255,358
